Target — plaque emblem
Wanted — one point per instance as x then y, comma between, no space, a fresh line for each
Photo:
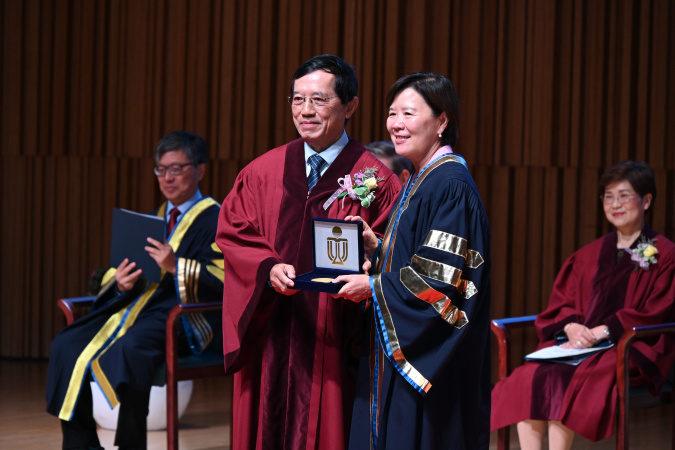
336,247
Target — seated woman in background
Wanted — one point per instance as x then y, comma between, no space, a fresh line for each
619,281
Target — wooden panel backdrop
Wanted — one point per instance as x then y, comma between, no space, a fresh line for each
551,93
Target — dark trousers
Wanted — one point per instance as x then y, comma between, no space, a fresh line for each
80,431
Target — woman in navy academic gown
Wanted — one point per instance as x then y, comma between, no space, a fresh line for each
425,383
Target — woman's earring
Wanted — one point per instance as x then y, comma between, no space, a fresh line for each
440,135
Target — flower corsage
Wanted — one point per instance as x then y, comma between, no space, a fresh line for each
644,254
360,189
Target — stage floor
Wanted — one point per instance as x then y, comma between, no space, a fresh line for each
24,424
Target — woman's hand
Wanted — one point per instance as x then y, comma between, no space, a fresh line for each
356,289
163,255
370,241
580,336
601,332
367,264
126,279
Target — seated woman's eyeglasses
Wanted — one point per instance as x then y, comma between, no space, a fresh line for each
608,199
316,101
173,169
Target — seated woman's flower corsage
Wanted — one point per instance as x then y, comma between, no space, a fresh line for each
644,254
361,189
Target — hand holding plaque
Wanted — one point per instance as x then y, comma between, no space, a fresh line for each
337,250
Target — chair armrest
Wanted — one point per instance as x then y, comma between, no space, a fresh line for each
625,342
622,369
182,309
74,308
500,328
173,373
173,321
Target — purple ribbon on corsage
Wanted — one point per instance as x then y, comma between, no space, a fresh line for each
345,185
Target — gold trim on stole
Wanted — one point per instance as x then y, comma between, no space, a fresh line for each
187,273
438,271
456,245
385,245
217,249
445,274
375,353
442,160
187,276
188,219
442,304
135,310
97,343
387,237
473,259
217,266
446,242
216,271
108,278
390,331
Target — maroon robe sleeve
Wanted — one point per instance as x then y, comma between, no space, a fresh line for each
651,293
650,300
246,232
564,304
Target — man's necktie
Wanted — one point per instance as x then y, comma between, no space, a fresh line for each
173,218
317,163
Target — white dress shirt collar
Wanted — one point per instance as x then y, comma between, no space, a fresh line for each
183,207
328,155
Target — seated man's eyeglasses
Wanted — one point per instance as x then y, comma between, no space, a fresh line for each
318,102
173,169
623,198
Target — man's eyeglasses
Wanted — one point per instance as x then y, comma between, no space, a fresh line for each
318,102
608,199
173,169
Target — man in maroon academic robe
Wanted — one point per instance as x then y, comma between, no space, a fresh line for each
295,353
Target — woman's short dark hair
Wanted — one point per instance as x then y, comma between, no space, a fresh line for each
346,87
192,144
639,174
438,92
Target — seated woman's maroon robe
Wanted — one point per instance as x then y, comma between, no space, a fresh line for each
595,286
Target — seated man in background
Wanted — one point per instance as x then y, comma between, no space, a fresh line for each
385,152
122,341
